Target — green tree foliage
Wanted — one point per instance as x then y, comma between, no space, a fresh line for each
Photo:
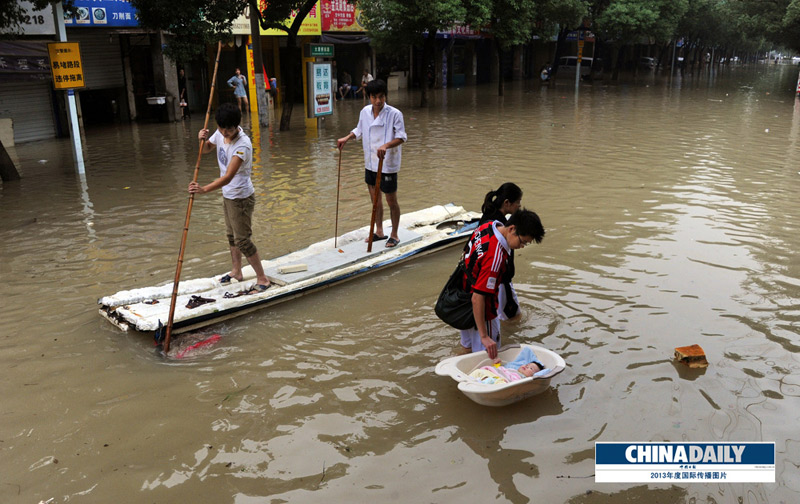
554,14
628,20
199,23
624,22
194,23
394,24
560,17
510,22
698,25
778,21
791,25
400,22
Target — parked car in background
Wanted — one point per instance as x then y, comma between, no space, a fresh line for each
567,64
647,63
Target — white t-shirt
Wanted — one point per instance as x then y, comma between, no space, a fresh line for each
240,186
377,131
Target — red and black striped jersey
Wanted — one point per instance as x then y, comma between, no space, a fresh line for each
485,257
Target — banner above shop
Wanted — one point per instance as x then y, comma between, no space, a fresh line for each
24,60
340,16
461,32
312,24
102,14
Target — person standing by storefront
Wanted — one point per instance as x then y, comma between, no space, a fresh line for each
183,94
239,84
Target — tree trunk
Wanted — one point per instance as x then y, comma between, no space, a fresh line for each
562,37
428,50
258,65
618,63
666,49
286,112
8,171
290,76
293,55
500,82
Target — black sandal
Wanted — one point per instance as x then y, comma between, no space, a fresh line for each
196,301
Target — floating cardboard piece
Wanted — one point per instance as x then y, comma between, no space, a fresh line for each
693,356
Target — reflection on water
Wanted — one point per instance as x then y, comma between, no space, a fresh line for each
671,219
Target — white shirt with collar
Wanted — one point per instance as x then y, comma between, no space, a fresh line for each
377,131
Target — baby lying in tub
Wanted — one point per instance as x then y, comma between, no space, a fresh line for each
524,366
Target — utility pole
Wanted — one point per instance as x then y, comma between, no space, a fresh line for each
672,65
72,109
258,64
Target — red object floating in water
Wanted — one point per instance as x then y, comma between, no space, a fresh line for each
200,344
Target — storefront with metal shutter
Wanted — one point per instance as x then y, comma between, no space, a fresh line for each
30,109
29,106
103,99
101,55
26,97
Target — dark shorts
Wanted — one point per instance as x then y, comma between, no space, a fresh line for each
388,181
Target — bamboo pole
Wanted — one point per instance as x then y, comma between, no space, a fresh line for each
338,186
189,210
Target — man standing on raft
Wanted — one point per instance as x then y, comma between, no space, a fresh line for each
383,132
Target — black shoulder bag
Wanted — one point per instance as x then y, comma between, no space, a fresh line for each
454,305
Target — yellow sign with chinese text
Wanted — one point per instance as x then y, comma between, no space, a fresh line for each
66,65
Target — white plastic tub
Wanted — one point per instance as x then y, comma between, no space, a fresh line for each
461,366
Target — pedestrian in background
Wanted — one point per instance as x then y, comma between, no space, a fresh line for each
183,94
239,82
347,82
365,79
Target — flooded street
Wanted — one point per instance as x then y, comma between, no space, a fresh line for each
672,218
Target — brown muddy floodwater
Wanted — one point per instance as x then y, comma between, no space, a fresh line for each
672,219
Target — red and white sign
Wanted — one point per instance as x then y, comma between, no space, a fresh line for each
338,15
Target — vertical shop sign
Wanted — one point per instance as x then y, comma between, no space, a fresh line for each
320,102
